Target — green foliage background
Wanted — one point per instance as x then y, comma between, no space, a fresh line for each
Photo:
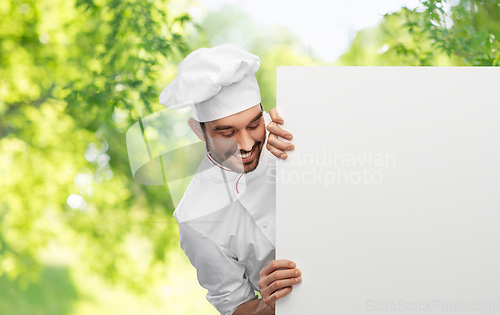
74,75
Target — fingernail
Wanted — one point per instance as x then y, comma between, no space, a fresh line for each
296,272
289,137
299,279
292,265
290,148
283,156
281,121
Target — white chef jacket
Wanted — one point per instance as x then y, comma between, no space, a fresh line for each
227,229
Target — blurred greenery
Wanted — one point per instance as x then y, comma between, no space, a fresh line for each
76,231
74,75
439,33
53,294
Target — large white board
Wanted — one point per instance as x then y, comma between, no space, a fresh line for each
390,203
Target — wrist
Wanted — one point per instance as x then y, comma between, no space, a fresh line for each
254,307
264,309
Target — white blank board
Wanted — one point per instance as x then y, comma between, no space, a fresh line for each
390,203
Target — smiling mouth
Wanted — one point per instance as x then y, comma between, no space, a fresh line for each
243,156
247,156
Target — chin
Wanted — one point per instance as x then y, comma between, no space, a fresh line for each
252,165
237,166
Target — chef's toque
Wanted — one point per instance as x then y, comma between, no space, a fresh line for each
215,83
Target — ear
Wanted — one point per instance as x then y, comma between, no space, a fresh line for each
195,126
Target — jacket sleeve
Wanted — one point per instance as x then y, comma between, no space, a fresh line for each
218,270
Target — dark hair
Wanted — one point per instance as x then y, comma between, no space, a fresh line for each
202,125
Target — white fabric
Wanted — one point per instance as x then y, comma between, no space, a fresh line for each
227,229
215,83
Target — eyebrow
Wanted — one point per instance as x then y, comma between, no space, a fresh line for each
222,127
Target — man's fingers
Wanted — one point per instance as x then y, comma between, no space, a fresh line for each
271,300
275,265
275,117
275,129
275,279
280,284
277,153
275,145
279,144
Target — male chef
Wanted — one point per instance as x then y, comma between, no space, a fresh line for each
227,215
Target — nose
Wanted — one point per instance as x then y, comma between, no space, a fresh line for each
245,141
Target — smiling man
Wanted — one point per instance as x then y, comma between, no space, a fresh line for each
227,215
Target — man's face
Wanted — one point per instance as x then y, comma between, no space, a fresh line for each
236,141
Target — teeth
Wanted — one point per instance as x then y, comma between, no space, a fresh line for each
244,156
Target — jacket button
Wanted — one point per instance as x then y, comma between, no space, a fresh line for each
264,225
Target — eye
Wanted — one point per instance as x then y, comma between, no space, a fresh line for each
253,127
228,135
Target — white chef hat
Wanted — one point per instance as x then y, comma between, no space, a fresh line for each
214,82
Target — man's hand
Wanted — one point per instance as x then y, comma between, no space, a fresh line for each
277,279
275,145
